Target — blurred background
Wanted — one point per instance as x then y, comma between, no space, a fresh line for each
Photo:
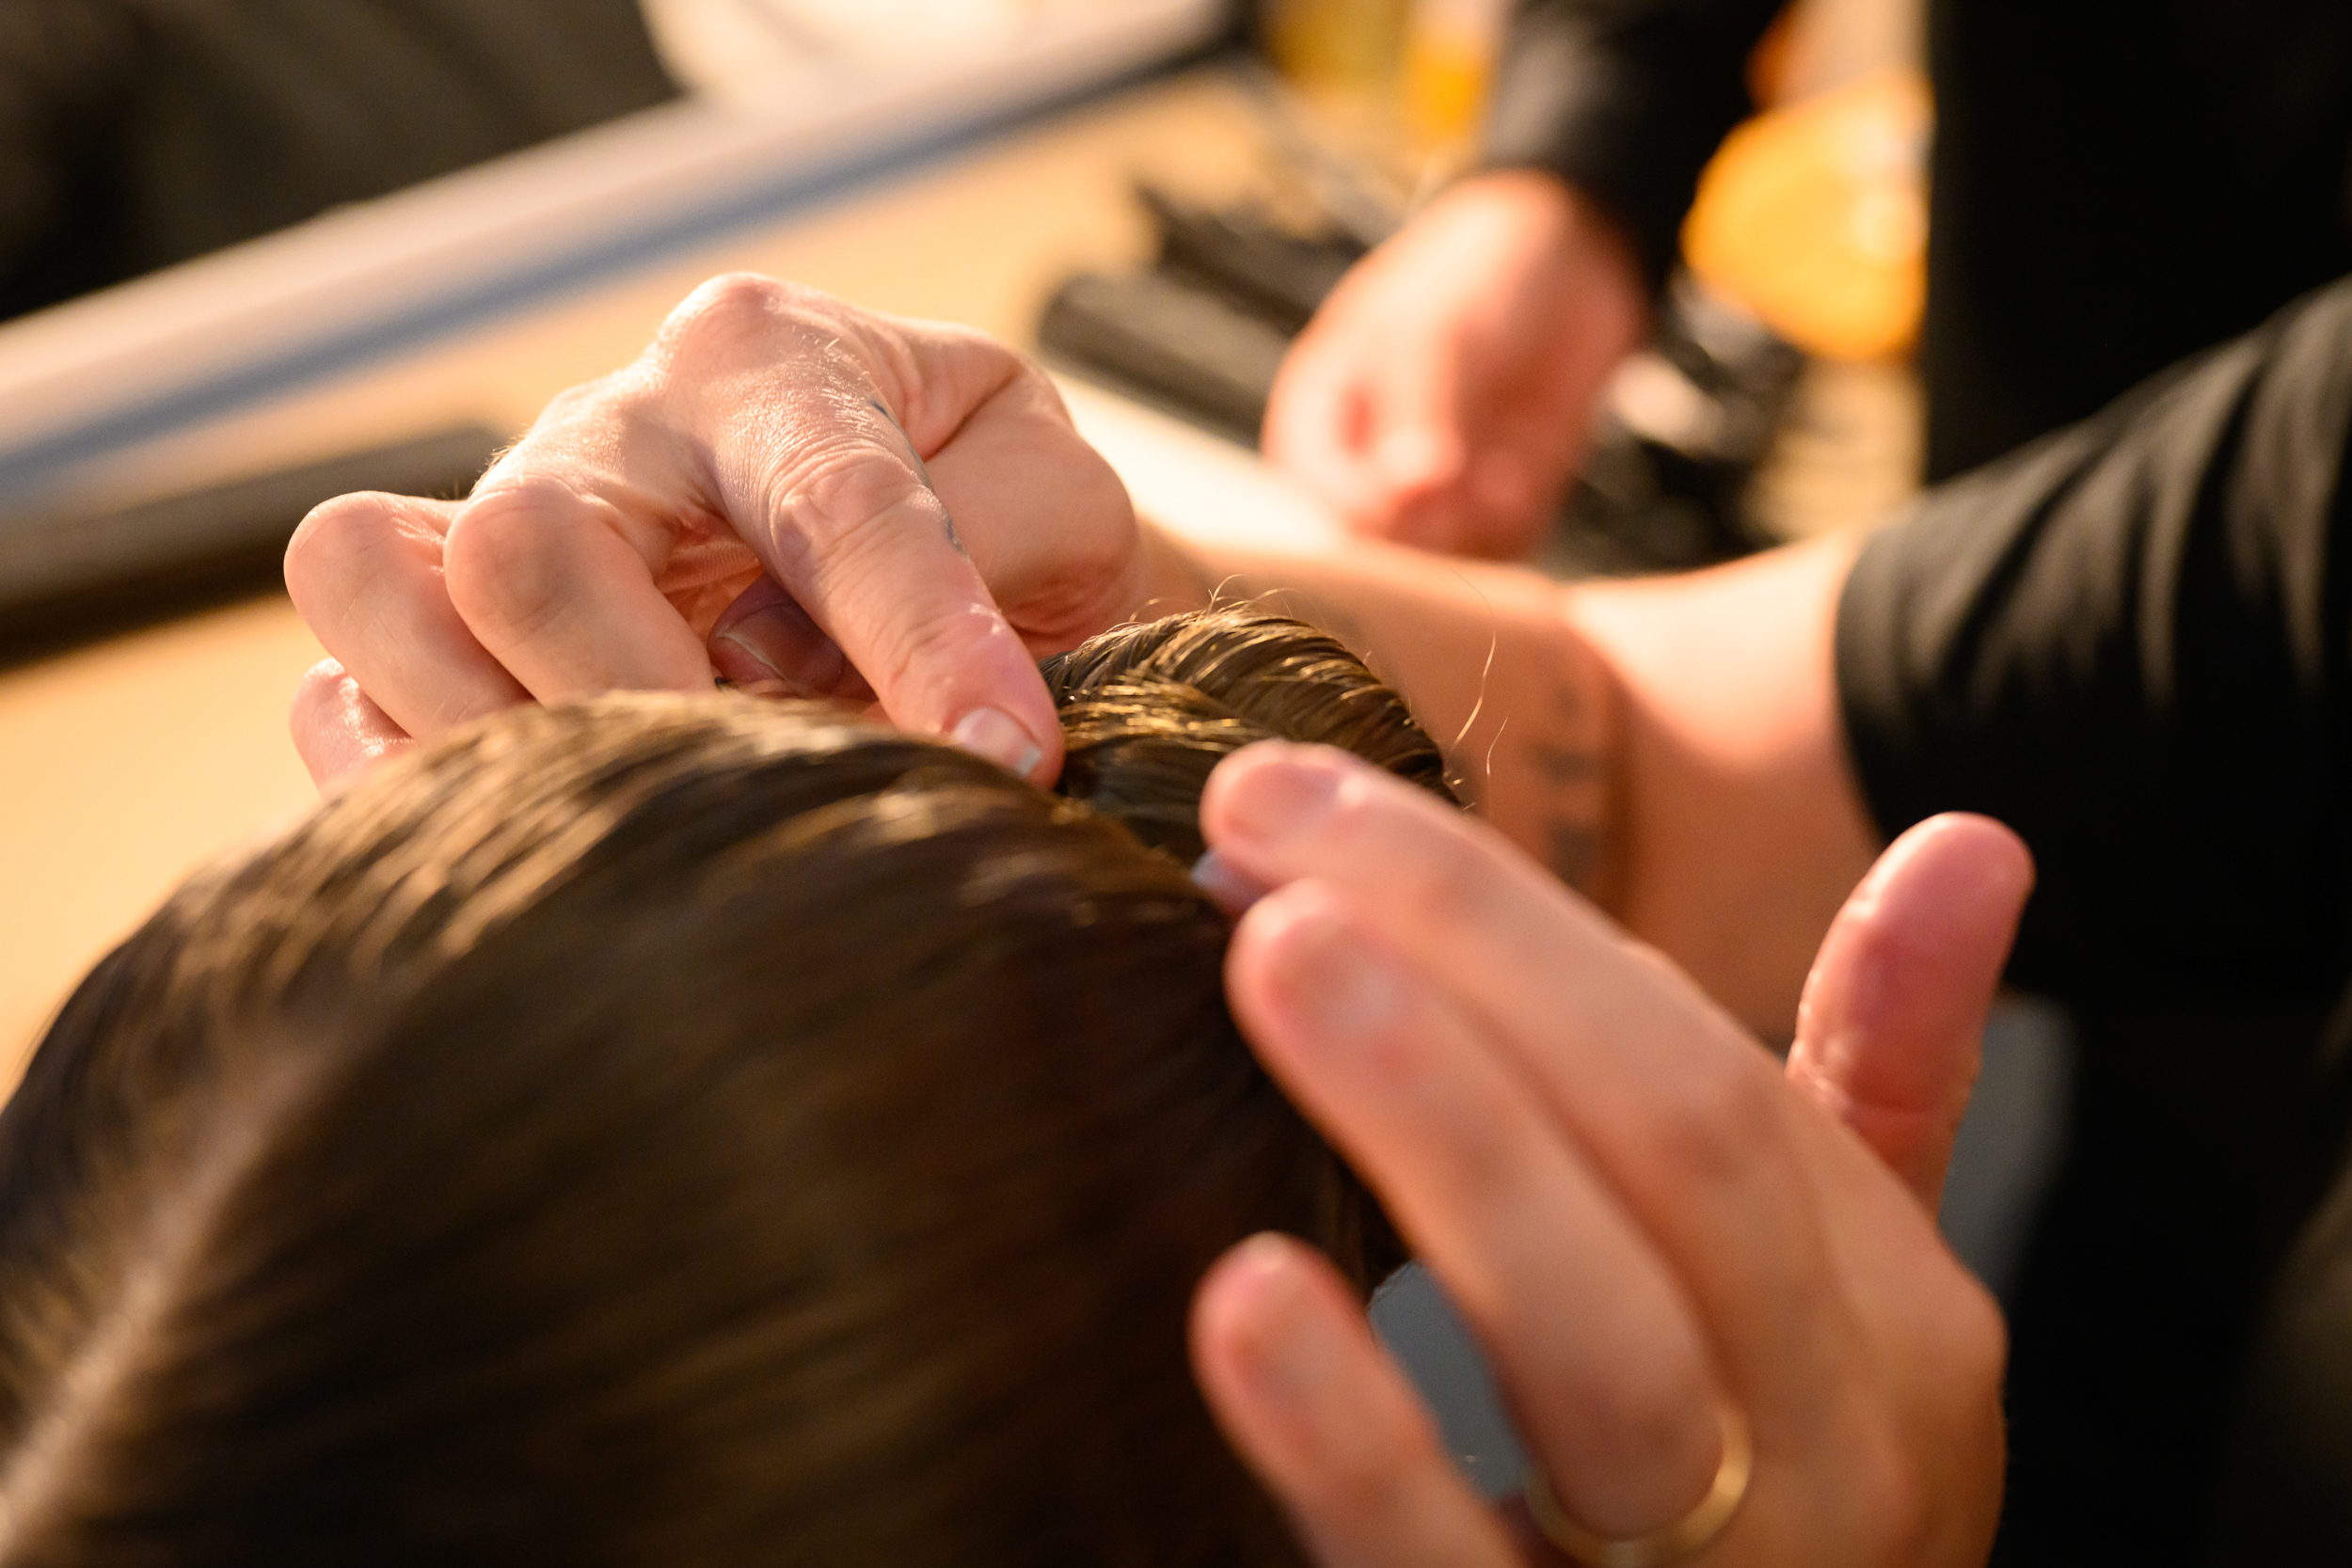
387,172
256,253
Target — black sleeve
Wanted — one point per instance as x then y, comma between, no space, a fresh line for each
136,134
66,68
355,99
2130,642
1626,100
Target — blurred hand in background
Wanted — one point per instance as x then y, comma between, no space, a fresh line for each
1440,397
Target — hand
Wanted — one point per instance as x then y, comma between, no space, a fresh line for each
1638,1215
1443,394
782,487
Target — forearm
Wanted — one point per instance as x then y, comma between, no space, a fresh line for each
1737,826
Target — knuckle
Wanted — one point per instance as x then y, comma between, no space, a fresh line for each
1717,1121
505,557
332,544
730,303
737,312
841,493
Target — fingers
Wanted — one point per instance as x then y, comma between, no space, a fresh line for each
835,498
1888,1031
1425,440
777,469
1827,1308
339,732
1504,1015
366,572
1326,1421
765,636
560,582
577,559
1679,1113
871,554
1320,416
1443,393
1076,564
1579,1312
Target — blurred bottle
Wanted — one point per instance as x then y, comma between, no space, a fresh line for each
1815,216
1346,49
1451,47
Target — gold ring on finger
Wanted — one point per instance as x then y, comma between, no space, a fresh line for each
1685,1538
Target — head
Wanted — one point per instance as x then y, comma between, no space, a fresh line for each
660,1130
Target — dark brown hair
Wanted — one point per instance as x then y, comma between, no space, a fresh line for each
685,1131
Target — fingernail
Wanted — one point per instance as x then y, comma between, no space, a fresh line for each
1346,991
779,642
747,652
739,666
1282,800
984,731
1230,888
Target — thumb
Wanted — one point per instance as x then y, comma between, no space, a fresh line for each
1888,1031
871,591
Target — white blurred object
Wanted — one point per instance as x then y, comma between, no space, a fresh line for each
732,47
1200,485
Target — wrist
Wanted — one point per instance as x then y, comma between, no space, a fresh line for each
1554,771
1489,659
1737,822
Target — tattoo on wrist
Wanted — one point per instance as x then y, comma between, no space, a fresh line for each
1570,765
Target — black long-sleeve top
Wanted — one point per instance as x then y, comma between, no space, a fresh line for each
2133,642
134,134
2114,185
